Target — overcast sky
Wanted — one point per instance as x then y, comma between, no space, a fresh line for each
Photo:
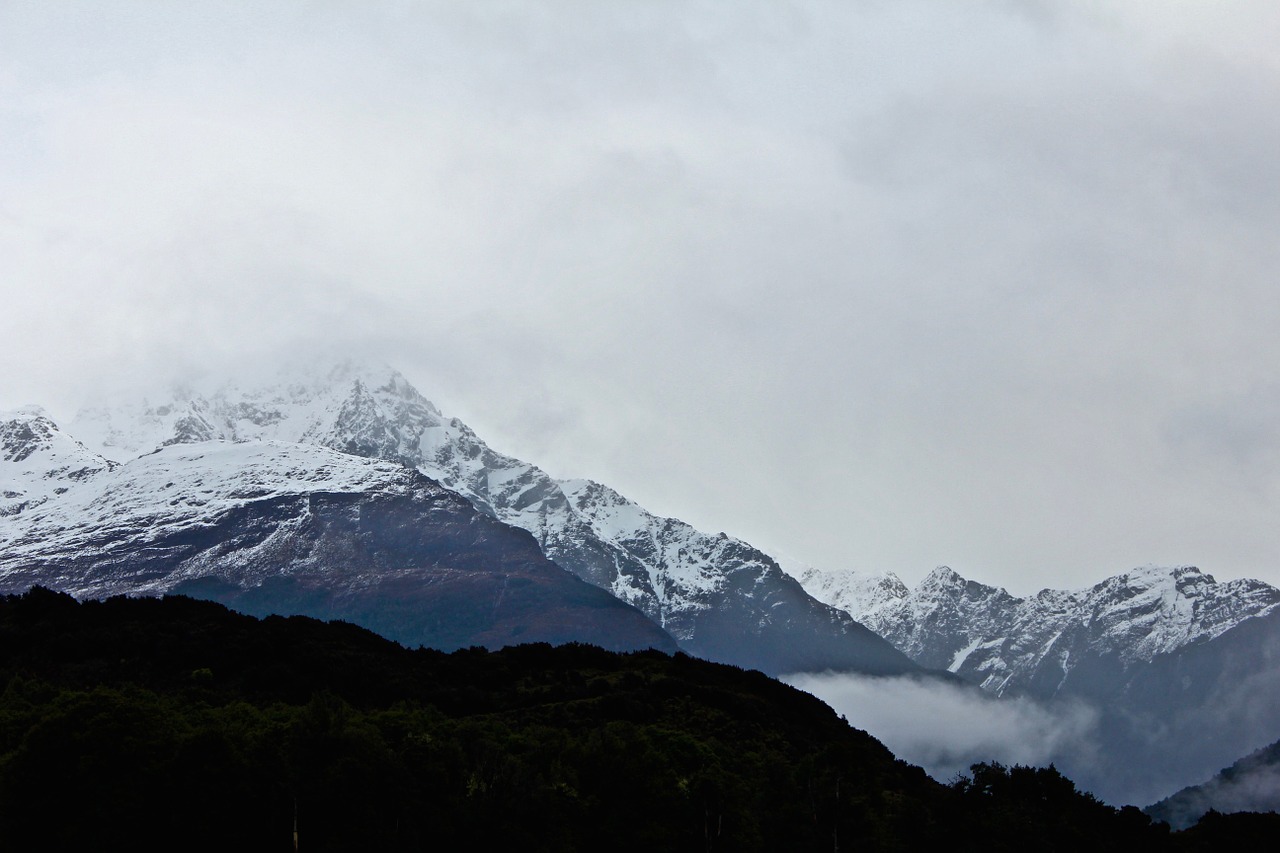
880,285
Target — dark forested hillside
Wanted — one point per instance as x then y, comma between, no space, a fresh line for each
177,722
1250,784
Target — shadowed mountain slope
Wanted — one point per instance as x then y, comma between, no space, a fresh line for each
269,527
717,596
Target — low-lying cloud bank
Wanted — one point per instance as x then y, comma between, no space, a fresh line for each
1249,786
945,727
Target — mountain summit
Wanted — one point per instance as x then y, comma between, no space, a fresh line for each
716,595
1035,645
270,526
38,460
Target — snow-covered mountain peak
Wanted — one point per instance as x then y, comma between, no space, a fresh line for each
1007,643
160,483
861,592
1153,610
23,432
944,580
946,590
358,407
38,461
282,527
1143,579
599,497
702,588
871,589
942,577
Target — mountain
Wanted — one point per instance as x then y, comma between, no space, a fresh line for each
1037,645
1252,784
268,526
1183,671
719,597
39,461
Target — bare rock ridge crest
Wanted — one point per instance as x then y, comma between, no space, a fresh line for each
1033,645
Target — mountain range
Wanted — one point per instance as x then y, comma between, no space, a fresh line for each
255,459
1182,670
342,493
1049,643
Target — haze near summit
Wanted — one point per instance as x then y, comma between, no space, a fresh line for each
878,286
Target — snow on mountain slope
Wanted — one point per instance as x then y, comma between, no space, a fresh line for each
343,408
1032,645
276,527
865,594
38,461
717,595
175,490
1182,671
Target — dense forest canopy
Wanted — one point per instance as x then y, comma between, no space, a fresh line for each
176,721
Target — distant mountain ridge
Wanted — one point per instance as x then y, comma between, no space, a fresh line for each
1183,671
716,595
1031,645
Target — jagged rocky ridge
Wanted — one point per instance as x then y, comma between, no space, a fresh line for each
720,598
267,526
1182,671
1034,645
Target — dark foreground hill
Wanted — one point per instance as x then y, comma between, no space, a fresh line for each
1250,784
134,723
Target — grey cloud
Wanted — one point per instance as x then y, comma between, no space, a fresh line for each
885,285
1238,429
946,728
